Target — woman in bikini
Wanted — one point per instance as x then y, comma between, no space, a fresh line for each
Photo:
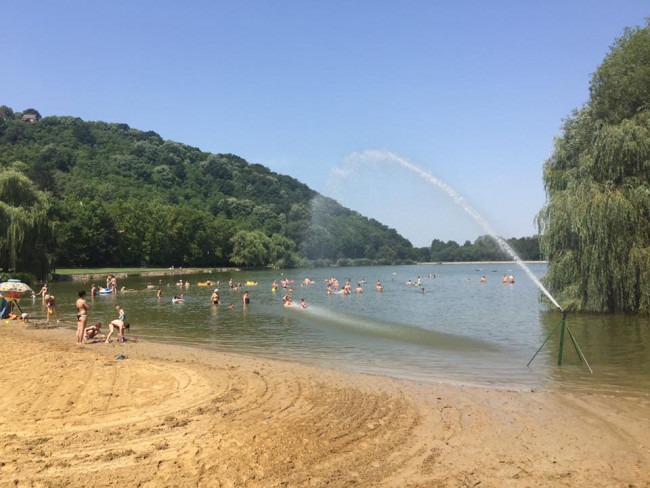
82,316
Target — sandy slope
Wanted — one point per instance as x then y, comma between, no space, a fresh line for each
172,416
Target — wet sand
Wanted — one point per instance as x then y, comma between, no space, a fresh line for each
176,416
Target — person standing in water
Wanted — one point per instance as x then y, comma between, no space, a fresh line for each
82,316
43,291
52,308
245,299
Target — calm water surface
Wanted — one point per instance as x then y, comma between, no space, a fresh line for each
460,330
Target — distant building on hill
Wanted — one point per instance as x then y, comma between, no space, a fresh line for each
31,118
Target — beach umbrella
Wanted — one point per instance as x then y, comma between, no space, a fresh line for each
12,289
15,286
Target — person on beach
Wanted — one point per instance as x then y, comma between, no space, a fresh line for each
121,327
52,308
82,316
120,323
92,331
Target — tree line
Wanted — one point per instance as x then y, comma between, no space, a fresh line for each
97,194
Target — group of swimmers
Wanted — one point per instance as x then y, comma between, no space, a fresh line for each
333,286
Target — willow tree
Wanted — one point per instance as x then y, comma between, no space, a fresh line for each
25,230
595,226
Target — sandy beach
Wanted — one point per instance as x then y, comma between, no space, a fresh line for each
175,416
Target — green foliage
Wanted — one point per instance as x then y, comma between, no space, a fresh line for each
484,248
25,230
594,226
120,197
250,248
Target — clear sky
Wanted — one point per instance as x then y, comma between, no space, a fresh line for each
471,91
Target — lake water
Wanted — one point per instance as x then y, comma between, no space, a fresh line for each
460,330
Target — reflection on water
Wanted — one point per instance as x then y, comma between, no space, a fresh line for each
460,330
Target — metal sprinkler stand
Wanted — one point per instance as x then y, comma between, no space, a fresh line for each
564,327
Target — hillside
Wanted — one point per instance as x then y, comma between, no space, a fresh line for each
119,196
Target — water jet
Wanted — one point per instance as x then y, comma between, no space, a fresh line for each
371,156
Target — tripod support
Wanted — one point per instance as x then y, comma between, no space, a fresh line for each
564,327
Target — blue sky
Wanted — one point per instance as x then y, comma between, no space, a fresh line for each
473,92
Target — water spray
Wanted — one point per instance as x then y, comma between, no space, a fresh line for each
376,155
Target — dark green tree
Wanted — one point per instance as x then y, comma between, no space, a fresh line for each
250,248
595,226
25,227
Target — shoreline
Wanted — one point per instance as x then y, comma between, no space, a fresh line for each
81,276
474,263
125,274
193,417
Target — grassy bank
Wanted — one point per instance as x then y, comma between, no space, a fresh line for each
72,274
106,271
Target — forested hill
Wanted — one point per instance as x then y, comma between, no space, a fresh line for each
118,196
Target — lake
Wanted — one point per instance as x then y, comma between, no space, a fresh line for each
460,330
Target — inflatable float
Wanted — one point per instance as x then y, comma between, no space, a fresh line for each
178,300
251,283
105,291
